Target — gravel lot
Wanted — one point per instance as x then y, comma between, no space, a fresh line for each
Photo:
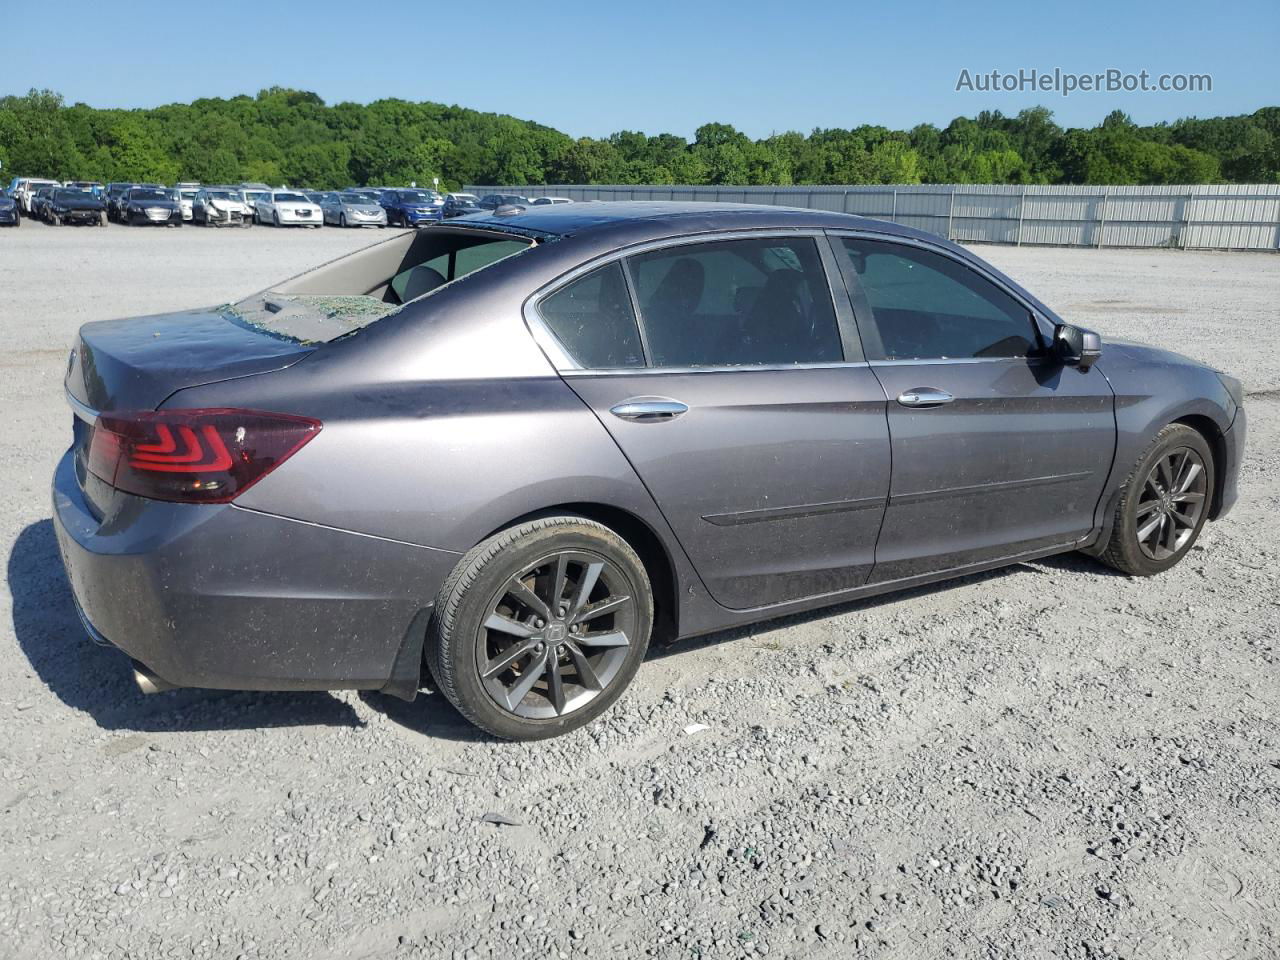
1049,760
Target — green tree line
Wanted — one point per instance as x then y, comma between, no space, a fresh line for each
292,136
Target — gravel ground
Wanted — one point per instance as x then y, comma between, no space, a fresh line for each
1049,760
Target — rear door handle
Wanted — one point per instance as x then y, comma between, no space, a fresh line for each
649,409
924,397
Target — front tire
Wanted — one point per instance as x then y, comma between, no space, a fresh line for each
541,627
1164,503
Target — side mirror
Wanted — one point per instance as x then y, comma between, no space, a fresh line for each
1076,346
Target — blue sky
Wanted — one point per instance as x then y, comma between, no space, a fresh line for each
592,68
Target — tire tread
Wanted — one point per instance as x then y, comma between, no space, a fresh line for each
1116,555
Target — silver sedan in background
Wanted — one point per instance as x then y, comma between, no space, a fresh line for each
352,209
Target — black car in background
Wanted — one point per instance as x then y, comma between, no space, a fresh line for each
493,201
459,207
10,215
74,206
40,199
113,195
150,206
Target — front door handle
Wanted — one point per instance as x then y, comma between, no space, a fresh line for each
924,397
649,409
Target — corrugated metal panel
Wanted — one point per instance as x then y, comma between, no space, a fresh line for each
1219,216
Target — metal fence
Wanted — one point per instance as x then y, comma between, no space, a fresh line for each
1225,217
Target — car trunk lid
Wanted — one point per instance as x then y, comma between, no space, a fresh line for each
137,364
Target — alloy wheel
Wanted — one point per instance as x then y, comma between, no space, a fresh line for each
556,635
1171,503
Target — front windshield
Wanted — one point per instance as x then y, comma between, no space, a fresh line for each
255,194
356,198
291,198
70,196
148,195
222,195
188,194
417,196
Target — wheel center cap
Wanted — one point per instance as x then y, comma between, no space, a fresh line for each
556,632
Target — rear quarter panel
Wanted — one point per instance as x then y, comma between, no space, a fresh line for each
441,425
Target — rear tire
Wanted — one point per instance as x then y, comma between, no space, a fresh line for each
1163,505
573,608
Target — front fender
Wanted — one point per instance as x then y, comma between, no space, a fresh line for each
1154,388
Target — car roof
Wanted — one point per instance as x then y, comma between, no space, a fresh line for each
658,218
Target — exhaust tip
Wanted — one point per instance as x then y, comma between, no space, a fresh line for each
148,682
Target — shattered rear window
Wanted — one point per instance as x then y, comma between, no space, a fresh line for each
307,318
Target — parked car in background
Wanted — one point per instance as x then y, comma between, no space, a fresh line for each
283,208
150,206
27,189
66,206
544,201
185,194
10,215
252,193
117,203
459,205
351,209
411,208
39,199
112,197
492,201
92,186
220,207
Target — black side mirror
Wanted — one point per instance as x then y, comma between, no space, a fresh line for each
1076,346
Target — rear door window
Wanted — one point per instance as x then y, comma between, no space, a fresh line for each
736,303
593,320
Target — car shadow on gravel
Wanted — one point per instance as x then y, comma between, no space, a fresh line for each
99,681
1065,562
430,715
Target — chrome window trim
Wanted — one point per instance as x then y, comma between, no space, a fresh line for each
727,368
565,364
923,361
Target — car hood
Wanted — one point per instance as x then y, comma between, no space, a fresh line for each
1141,354
362,207
166,204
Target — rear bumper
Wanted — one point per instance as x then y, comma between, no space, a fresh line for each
224,597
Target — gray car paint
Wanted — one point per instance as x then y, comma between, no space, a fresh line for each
446,422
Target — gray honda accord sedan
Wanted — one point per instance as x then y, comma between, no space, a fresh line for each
512,448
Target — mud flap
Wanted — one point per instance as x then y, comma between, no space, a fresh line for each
406,672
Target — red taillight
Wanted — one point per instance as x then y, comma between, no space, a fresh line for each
209,455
